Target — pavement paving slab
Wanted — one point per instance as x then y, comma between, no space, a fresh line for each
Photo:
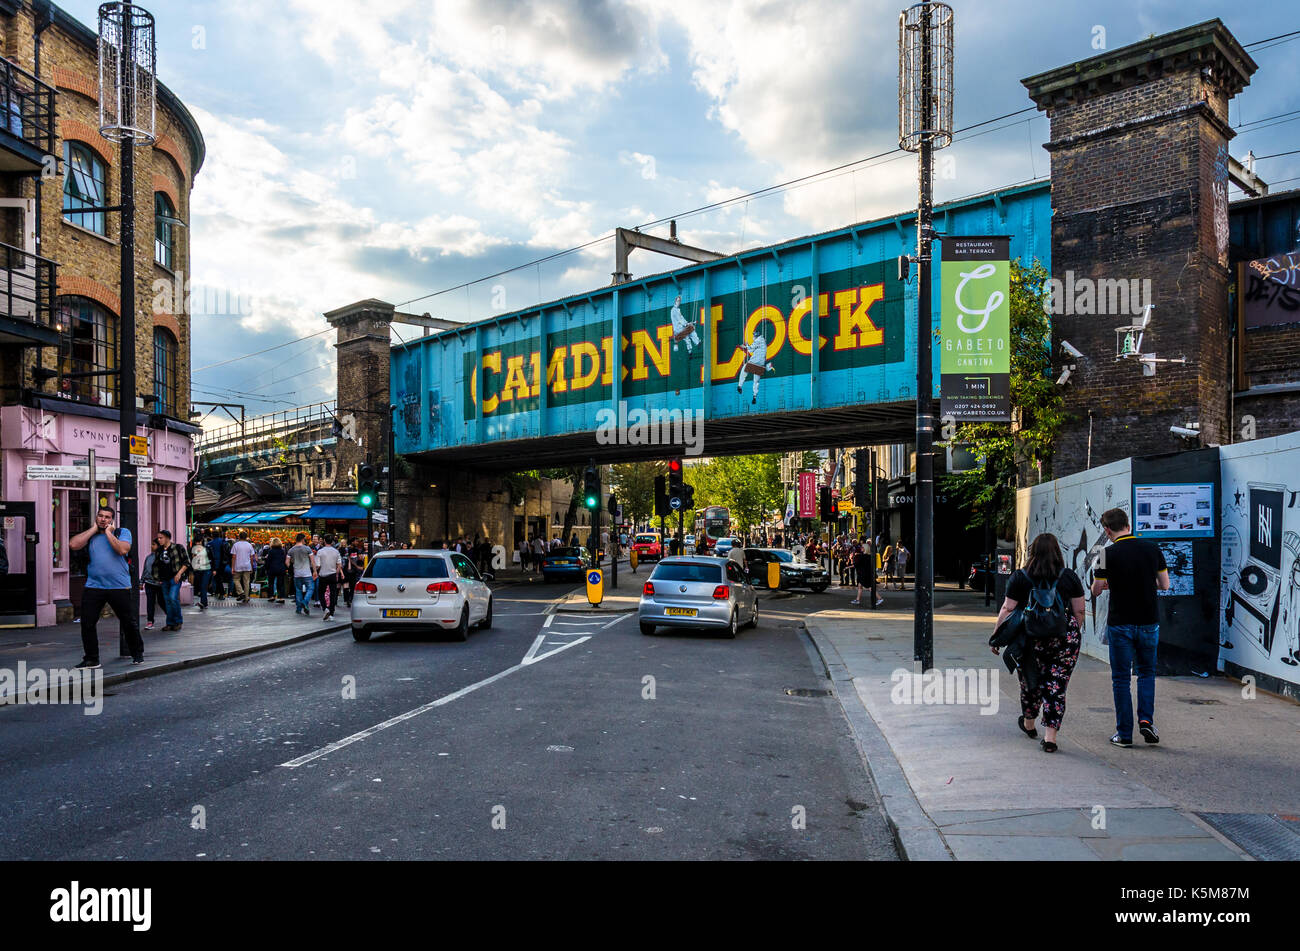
991,793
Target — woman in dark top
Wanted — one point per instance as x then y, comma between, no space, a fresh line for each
1053,657
275,569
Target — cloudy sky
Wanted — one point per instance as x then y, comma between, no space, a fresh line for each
399,148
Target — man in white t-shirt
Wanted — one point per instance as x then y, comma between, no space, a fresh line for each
242,561
328,562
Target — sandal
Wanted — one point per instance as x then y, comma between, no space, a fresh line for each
1031,733
1048,746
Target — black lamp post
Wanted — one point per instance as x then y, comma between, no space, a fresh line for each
925,47
127,92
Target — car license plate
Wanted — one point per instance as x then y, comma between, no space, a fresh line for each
683,612
402,612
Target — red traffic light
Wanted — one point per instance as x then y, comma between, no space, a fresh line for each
674,465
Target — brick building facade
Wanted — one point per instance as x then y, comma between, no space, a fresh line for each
60,295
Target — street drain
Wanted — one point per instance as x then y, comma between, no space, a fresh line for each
1199,701
805,692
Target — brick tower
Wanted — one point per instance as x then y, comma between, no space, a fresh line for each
1139,153
363,357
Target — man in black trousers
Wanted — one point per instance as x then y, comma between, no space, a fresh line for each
108,581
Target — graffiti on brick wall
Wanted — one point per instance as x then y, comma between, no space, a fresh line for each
1272,290
1221,203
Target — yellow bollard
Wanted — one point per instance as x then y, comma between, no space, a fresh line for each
774,574
595,585
631,557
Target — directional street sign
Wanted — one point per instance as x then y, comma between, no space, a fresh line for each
675,503
38,473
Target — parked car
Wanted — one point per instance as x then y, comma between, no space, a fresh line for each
697,592
420,590
648,546
566,563
795,572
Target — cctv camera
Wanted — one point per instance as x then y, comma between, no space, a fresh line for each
1184,432
1071,349
1064,377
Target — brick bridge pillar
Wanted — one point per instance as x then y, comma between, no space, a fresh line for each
1139,154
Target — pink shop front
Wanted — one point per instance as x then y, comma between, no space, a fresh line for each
46,436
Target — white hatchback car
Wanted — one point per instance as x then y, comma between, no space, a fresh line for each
422,589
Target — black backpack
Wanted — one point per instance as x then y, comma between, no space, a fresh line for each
1044,613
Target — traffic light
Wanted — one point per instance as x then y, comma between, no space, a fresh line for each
591,488
613,504
367,485
675,484
688,496
661,497
861,482
824,503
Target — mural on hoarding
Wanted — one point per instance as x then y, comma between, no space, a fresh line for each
1070,508
1272,290
1260,599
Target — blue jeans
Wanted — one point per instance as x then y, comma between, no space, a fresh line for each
201,586
171,592
302,588
1133,650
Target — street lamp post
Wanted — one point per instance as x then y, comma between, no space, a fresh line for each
127,98
925,46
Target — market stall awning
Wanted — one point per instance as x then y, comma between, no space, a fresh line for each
336,510
249,518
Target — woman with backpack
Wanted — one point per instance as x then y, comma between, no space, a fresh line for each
1050,598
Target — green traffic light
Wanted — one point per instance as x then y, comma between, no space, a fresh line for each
367,501
592,501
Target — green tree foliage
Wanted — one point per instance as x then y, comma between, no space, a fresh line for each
749,486
1019,454
634,484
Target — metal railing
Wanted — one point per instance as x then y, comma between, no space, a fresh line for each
26,107
266,429
27,283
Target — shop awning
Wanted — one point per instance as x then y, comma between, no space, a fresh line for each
250,518
336,510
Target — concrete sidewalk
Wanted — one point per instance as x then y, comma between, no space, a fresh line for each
961,784
224,630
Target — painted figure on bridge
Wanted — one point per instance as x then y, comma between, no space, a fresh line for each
755,363
683,329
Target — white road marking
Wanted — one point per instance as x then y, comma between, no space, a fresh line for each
621,617
549,619
532,657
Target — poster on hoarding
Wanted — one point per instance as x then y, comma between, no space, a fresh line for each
807,494
1174,510
975,325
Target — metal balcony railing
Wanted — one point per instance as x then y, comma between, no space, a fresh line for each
27,283
26,107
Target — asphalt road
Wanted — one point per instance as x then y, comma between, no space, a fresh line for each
608,744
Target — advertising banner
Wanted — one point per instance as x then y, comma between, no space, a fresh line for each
975,315
1179,510
807,494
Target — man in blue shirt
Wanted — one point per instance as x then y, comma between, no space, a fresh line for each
108,581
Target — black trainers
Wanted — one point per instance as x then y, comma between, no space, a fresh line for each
1148,731
1118,740
87,664
137,660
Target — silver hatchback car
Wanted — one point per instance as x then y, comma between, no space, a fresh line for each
698,591
422,589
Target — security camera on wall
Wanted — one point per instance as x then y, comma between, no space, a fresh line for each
1187,432
1071,349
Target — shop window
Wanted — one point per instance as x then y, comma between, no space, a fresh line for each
88,345
85,185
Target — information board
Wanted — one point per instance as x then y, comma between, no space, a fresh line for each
1174,510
